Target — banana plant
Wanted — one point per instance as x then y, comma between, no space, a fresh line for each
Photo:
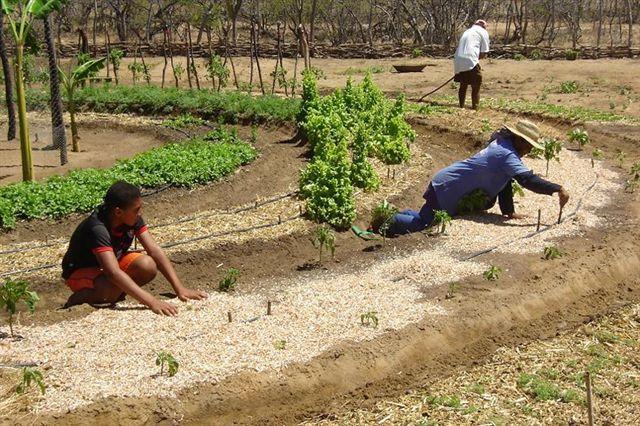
20,15
70,83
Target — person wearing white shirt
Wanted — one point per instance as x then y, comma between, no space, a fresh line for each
473,46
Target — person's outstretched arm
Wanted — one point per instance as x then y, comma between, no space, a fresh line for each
535,183
166,268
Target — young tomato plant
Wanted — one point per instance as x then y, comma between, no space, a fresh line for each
163,358
229,281
634,181
440,220
30,375
280,344
552,148
493,273
369,319
324,238
581,137
552,252
12,292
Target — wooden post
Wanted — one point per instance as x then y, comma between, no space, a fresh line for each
269,307
587,381
256,53
229,316
539,215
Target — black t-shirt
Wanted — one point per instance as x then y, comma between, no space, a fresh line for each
94,236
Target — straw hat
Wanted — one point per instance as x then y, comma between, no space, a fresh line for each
527,131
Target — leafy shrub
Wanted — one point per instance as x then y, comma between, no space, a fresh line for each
362,173
519,57
197,161
182,121
217,69
571,54
552,252
12,292
551,151
473,202
416,52
229,281
382,216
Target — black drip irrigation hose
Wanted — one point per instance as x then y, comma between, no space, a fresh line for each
175,243
161,225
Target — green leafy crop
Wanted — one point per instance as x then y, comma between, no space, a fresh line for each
30,375
493,273
440,220
382,217
194,162
324,238
552,252
369,319
473,202
581,137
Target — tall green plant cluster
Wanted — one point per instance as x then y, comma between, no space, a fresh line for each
197,161
344,130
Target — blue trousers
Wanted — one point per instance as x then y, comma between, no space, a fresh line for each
408,221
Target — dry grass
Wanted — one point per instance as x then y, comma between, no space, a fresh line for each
536,384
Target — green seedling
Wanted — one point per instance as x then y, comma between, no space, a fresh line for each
163,358
621,156
551,151
453,289
517,188
580,136
30,375
416,53
382,218
571,54
229,281
136,69
569,87
597,154
369,319
519,57
493,273
324,238
634,180
115,57
178,71
12,292
552,252
182,121
280,345
440,220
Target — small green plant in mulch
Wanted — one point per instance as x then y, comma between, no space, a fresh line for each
634,178
552,252
440,221
493,273
369,319
536,54
280,345
13,292
324,239
596,154
580,136
229,281
163,358
551,151
382,217
544,390
486,126
517,188
452,401
30,375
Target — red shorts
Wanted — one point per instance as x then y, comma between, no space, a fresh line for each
85,277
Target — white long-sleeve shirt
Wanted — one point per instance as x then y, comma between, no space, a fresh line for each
474,41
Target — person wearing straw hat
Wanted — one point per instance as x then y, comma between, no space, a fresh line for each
476,183
473,46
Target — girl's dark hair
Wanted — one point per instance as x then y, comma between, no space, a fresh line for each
121,194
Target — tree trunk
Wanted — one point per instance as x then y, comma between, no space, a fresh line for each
599,22
25,141
59,138
254,36
74,128
630,18
164,55
8,84
190,53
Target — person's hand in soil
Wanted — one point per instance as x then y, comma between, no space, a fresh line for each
163,308
563,197
190,294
